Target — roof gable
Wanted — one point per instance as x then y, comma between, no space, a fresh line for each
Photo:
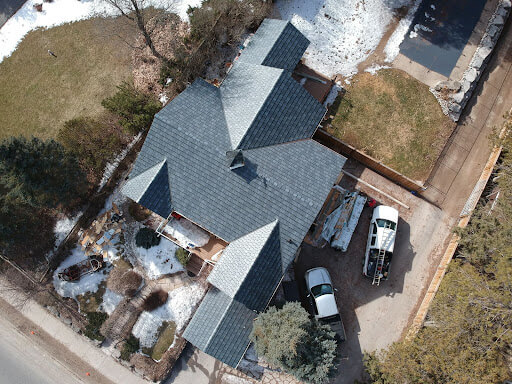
276,43
151,189
250,267
229,325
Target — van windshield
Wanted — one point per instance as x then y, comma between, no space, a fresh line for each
322,289
383,223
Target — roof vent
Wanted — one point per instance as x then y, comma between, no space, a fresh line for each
235,159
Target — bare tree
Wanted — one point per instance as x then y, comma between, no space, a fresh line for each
135,12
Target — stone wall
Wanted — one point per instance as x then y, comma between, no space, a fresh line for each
453,95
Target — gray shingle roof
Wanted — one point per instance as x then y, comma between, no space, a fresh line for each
250,267
265,106
263,209
276,43
221,327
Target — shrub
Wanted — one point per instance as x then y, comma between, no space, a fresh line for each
183,256
131,345
138,212
94,142
124,282
95,321
134,108
154,300
290,340
146,238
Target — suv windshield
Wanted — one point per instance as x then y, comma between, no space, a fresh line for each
386,224
319,290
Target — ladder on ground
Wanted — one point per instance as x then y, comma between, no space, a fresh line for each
378,274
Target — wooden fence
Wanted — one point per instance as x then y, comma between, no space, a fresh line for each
345,149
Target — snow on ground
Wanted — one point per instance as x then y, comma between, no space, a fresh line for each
178,308
343,33
88,283
65,11
110,167
374,68
63,227
392,48
187,233
333,94
159,260
110,301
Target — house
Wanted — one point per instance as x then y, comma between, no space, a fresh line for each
238,160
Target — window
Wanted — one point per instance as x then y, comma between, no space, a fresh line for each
386,224
322,289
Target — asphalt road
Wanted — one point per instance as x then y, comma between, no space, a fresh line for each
23,362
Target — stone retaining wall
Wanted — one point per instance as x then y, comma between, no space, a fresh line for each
454,95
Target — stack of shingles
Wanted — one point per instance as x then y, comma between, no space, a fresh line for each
102,232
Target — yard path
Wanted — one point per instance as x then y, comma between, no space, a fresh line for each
461,162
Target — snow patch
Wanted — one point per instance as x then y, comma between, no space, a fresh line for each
333,94
66,11
375,68
392,48
110,301
178,308
417,28
87,283
159,260
63,227
110,167
343,33
186,233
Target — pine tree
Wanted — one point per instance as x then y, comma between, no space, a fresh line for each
289,339
39,173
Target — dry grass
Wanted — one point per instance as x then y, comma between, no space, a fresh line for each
90,302
38,92
164,340
393,118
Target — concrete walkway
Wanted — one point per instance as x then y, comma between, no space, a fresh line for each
461,162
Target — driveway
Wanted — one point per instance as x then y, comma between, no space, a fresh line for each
376,316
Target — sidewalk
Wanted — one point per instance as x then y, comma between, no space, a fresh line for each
74,342
461,162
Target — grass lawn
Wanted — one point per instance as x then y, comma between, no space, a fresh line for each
38,92
166,333
393,118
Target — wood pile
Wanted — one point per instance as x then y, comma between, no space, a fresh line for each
102,232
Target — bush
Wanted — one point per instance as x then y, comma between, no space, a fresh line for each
183,256
95,321
154,300
135,109
138,212
130,346
146,238
124,282
289,339
94,142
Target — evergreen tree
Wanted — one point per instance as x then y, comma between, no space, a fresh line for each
134,108
289,339
94,142
39,173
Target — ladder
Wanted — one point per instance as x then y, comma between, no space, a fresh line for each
377,275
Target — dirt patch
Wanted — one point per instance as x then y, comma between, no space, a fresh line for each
168,36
